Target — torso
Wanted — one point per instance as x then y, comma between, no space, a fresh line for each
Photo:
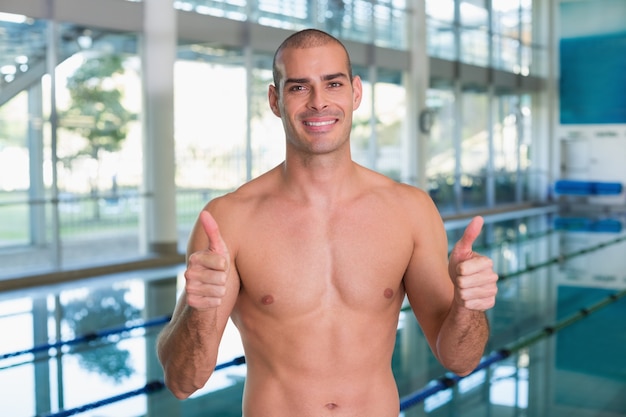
320,293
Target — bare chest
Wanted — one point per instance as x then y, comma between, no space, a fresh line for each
303,261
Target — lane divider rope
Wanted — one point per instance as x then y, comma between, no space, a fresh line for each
88,337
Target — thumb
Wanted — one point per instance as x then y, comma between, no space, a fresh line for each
212,230
463,248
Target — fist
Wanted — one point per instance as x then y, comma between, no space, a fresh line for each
475,282
207,270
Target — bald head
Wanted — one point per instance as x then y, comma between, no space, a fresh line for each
307,38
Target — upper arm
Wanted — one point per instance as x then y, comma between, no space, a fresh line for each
427,283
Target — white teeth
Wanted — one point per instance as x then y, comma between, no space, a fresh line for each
329,122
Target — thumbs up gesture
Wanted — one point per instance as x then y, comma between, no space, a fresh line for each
207,270
475,282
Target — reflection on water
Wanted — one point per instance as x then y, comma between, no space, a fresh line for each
556,365
96,310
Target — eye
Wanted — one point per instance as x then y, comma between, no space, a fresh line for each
335,84
296,88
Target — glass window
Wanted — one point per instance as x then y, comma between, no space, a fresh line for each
506,18
98,85
528,43
440,10
441,40
441,36
512,37
335,15
376,141
362,142
475,47
75,195
474,156
440,169
287,14
506,54
23,197
268,136
506,146
390,18
360,21
531,181
70,180
14,171
210,96
474,32
473,13
230,9
390,105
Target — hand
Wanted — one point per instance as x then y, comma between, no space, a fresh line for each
207,270
475,282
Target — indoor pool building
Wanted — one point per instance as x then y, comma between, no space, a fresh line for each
121,119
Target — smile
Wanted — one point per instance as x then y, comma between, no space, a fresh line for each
325,123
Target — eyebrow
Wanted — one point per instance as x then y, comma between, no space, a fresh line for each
327,77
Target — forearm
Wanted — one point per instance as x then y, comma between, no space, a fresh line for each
462,339
187,349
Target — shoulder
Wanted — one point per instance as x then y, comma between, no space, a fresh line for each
401,194
409,205
234,209
258,188
245,197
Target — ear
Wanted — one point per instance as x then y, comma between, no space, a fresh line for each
272,96
357,91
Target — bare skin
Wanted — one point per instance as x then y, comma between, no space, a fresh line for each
312,261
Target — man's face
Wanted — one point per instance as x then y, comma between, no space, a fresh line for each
315,98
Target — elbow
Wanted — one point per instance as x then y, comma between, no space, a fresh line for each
176,378
462,372
174,386
182,389
182,376
180,395
182,381
462,369
460,364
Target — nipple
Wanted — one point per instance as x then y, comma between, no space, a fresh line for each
267,300
388,293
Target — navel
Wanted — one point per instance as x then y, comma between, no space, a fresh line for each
267,300
331,406
388,293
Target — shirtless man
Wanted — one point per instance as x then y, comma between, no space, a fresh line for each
313,259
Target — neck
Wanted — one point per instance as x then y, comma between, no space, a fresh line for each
319,178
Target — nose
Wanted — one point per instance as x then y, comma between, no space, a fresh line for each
317,100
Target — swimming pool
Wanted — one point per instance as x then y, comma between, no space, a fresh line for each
558,337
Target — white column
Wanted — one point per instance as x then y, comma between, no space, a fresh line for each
37,189
548,128
158,228
418,80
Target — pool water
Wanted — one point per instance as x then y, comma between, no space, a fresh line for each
557,346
